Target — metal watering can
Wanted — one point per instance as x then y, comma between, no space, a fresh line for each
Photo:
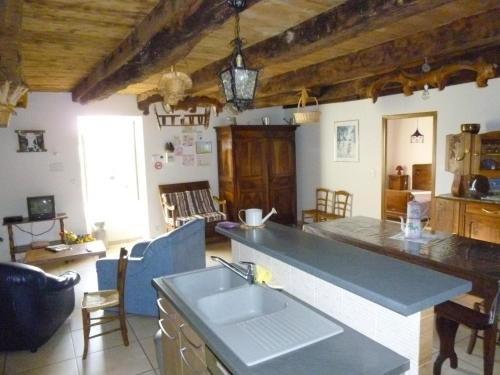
253,217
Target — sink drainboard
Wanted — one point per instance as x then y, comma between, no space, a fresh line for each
268,336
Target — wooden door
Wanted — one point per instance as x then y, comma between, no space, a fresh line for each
250,156
282,186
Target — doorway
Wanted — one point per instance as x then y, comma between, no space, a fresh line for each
113,176
408,163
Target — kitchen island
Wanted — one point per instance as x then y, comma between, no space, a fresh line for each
385,299
470,259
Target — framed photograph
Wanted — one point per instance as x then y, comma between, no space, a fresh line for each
30,140
203,147
346,141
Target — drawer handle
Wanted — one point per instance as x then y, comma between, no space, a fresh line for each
160,323
187,338
490,212
158,302
189,365
460,158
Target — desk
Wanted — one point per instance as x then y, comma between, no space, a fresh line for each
466,258
81,250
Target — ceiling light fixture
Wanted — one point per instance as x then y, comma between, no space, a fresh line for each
173,87
417,137
238,82
426,68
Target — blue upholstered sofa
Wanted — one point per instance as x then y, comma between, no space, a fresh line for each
180,250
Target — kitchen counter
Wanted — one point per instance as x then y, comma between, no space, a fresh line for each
394,284
466,199
347,353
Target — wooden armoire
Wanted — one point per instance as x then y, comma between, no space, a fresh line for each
257,169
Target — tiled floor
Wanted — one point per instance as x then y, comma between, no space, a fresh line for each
61,355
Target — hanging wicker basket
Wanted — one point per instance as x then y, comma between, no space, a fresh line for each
5,114
173,86
306,117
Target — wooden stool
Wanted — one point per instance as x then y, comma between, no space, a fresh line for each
104,299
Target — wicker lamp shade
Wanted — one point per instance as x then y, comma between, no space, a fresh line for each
9,96
173,86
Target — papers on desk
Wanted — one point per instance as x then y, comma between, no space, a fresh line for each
57,248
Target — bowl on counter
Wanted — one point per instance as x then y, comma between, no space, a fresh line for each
470,128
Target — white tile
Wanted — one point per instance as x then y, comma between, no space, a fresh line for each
143,326
327,298
302,285
101,342
148,345
358,313
281,274
68,367
115,361
57,349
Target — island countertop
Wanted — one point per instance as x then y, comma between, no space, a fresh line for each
395,284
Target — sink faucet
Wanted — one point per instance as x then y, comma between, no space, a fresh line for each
247,273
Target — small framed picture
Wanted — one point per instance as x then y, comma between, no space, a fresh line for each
31,141
203,147
346,141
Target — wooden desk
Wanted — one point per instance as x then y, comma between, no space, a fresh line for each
466,258
43,256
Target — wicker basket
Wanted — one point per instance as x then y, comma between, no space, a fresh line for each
306,117
5,113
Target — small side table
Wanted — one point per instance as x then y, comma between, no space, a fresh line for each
398,182
24,248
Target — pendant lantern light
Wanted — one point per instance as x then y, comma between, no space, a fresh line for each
238,81
417,137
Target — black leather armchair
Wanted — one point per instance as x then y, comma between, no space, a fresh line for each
33,305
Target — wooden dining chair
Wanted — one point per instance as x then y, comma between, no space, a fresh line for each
322,204
339,208
105,299
475,333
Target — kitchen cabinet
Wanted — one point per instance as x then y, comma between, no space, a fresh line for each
467,217
183,349
257,169
468,153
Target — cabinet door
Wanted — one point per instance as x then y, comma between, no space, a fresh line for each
170,344
458,153
251,171
282,186
446,215
482,227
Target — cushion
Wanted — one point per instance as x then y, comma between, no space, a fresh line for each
200,201
180,201
212,216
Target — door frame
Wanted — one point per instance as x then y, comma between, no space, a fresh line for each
402,116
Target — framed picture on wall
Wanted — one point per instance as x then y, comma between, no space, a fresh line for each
346,140
30,141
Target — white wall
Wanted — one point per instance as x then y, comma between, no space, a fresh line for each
455,105
400,151
28,174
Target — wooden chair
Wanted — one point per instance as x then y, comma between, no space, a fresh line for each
339,208
474,332
104,299
322,203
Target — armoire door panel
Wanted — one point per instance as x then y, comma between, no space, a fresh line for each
282,161
251,199
250,156
284,202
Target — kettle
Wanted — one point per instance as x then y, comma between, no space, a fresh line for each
254,218
413,226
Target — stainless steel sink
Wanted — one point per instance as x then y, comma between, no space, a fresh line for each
240,304
197,284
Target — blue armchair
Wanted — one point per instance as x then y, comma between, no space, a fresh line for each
180,250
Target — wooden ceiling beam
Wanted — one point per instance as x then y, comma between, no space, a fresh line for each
358,88
335,26
164,37
11,15
465,34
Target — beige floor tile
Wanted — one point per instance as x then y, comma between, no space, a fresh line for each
68,367
121,360
148,346
221,249
100,343
143,326
463,368
57,349
462,333
476,358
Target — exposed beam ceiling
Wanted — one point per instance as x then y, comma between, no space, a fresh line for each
165,47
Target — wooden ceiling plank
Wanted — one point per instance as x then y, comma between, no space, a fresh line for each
165,46
476,31
11,15
335,26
